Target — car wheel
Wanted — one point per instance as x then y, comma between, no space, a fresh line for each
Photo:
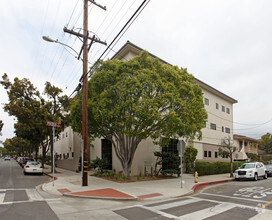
265,176
24,172
256,176
237,179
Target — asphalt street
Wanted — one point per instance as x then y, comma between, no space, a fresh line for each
18,196
234,200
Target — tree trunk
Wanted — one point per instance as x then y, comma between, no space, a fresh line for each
125,148
231,167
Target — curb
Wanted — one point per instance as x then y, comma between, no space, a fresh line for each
210,183
99,197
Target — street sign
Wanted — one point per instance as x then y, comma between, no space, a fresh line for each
53,124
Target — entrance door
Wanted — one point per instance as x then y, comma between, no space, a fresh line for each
171,148
107,152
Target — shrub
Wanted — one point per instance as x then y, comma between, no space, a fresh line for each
115,176
99,164
123,176
207,168
189,157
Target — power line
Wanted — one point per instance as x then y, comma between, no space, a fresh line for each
135,13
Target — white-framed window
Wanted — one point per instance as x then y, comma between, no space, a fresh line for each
227,130
228,111
213,126
206,101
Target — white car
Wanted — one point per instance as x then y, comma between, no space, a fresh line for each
251,171
33,167
7,158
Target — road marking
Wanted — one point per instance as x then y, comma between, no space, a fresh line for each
33,194
2,197
267,204
232,197
255,192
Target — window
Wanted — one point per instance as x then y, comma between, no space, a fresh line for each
222,128
62,135
60,156
67,155
205,154
216,105
206,101
215,154
228,110
72,154
66,134
227,130
210,153
223,108
63,156
213,126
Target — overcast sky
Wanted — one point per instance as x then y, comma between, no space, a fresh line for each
224,43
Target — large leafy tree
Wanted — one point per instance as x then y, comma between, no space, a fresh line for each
17,145
32,111
266,143
129,101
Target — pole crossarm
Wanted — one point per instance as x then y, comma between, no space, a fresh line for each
81,35
100,6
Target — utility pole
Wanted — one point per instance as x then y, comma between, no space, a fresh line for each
85,48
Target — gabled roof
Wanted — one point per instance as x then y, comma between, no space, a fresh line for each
135,50
245,138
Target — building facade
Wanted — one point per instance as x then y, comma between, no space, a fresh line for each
219,108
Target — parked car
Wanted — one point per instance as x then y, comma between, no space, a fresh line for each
268,169
33,167
20,160
7,158
25,160
251,171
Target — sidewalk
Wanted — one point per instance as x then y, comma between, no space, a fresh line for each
69,183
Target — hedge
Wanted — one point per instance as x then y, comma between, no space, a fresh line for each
207,168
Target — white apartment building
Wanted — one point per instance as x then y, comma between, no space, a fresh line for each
219,126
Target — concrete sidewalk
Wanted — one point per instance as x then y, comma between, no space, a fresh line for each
69,183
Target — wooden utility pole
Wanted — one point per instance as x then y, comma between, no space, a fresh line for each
85,48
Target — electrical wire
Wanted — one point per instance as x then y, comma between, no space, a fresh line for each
135,13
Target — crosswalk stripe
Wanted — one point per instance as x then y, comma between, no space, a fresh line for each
2,197
33,195
209,212
174,204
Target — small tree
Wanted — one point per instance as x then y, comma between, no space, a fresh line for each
169,163
226,150
189,158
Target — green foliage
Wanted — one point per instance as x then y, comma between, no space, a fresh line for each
140,98
115,176
266,143
208,168
253,157
169,162
32,111
123,176
99,164
189,157
17,144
